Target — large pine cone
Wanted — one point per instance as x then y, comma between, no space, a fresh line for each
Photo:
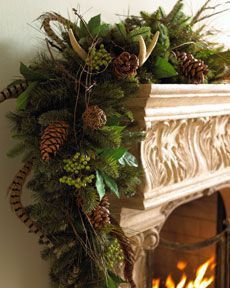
100,217
193,69
94,117
125,65
53,137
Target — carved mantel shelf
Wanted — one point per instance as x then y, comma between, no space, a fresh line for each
185,155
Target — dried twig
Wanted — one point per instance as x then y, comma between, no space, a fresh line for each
198,17
199,12
83,21
211,15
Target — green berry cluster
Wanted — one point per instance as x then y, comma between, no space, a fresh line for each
114,254
78,169
98,59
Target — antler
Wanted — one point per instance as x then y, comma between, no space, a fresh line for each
76,46
145,53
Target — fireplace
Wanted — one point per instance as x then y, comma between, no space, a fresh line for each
185,157
193,248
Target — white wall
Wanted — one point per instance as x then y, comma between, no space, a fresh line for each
20,264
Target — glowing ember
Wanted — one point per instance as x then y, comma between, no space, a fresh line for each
199,282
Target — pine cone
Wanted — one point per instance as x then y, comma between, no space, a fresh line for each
100,217
125,65
193,69
94,117
54,136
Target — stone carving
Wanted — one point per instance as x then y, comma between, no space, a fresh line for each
141,242
185,155
176,150
167,209
147,240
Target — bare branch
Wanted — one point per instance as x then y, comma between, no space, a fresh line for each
211,15
199,12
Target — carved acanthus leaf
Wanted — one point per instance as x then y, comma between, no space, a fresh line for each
176,150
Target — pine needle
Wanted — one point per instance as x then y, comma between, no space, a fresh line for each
175,10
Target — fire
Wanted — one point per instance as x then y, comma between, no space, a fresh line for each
200,281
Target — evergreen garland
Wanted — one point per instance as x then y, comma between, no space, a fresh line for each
74,127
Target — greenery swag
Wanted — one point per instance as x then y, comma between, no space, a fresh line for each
75,130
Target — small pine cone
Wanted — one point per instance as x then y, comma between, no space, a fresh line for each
100,217
94,117
193,69
125,65
53,137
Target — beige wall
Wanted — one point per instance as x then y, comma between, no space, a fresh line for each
20,264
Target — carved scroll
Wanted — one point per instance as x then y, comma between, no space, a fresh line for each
176,150
142,242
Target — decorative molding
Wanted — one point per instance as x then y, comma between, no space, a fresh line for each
168,208
185,155
142,242
177,150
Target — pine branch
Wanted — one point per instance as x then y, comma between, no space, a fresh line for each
54,116
17,150
174,12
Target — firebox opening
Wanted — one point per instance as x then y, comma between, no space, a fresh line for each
194,247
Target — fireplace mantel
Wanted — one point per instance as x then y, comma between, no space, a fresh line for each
185,155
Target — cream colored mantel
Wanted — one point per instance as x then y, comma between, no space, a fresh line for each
185,155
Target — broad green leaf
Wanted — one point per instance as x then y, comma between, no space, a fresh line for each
30,74
114,129
128,159
100,184
129,115
114,132
114,153
104,29
140,31
122,30
116,280
111,184
163,69
110,283
94,23
23,98
83,41
114,119
83,32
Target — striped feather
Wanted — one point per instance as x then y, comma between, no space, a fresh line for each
50,17
15,191
13,91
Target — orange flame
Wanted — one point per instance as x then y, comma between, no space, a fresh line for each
199,282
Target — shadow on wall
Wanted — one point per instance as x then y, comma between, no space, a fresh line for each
20,262
10,58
